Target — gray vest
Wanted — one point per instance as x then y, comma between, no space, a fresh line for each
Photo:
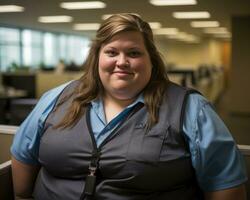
133,164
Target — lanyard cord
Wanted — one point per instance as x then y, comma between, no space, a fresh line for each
90,182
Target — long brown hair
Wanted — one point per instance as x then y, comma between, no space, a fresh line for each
90,86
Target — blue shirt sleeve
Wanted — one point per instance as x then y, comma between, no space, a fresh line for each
25,146
215,157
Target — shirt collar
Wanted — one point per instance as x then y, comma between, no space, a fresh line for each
97,103
140,99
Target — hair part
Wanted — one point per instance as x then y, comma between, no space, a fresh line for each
90,86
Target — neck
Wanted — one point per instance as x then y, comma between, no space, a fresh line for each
122,103
113,106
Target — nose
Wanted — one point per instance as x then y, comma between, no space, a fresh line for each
122,61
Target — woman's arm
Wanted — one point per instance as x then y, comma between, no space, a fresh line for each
23,176
238,193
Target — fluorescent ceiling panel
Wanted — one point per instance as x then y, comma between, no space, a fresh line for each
104,17
226,35
191,39
166,31
191,15
204,24
155,25
172,2
182,36
11,8
179,35
83,5
55,19
86,26
219,30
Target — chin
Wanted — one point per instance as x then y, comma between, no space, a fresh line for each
125,94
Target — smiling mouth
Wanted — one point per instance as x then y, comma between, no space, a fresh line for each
122,72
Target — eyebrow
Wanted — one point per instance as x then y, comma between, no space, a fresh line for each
130,48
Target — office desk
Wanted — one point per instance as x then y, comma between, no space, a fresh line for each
6,96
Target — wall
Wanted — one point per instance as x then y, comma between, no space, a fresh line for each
209,51
240,69
48,80
226,60
5,143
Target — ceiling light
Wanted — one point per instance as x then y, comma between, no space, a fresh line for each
191,15
154,25
227,35
204,24
182,36
55,19
219,30
179,36
172,2
166,31
11,8
104,17
191,39
86,26
83,5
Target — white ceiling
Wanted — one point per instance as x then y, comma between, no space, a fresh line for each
220,10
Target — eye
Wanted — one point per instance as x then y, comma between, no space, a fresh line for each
134,54
110,53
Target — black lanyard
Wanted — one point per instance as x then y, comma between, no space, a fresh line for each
90,182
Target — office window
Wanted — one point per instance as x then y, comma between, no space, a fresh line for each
84,49
62,45
9,57
32,48
78,49
9,35
9,48
50,49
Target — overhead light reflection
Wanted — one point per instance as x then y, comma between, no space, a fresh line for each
11,8
86,26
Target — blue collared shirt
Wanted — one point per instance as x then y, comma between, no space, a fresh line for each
208,138
101,128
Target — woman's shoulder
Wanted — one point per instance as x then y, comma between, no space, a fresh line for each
189,97
174,90
195,103
197,99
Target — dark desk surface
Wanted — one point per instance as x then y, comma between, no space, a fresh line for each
6,96
11,93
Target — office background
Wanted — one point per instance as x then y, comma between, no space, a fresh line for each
209,52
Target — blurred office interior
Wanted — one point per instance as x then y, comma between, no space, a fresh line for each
204,43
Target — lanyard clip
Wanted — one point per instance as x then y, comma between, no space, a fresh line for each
90,182
92,170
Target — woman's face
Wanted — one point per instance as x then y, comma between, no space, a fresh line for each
124,65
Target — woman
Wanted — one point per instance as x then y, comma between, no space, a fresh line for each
123,131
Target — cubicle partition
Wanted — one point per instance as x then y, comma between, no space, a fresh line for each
36,83
6,188
6,137
22,81
245,150
15,108
207,80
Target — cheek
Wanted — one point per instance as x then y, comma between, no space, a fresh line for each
145,71
104,68
105,64
102,62
142,66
